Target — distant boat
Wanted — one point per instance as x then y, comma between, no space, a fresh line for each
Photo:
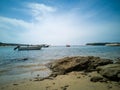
35,47
67,45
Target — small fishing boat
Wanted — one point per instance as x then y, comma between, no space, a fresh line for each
67,45
35,47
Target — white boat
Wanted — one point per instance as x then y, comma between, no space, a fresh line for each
28,48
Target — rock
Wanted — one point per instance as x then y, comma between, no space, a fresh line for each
64,87
22,59
117,60
54,74
25,59
53,83
78,77
110,71
38,75
30,79
48,87
118,75
89,75
98,62
109,86
96,79
15,84
68,64
38,79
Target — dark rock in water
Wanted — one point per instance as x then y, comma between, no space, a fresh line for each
111,71
22,59
98,78
68,64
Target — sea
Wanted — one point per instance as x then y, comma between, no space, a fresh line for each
17,65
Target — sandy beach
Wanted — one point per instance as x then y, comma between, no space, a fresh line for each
71,81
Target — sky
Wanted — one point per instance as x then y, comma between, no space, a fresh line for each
59,22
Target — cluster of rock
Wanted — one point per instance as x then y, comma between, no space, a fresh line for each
90,63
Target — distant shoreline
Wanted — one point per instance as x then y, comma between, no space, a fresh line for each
15,44
104,44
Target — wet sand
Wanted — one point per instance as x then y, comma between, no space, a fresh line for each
71,81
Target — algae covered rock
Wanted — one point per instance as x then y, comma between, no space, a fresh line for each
110,71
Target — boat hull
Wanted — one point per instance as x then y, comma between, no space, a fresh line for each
29,48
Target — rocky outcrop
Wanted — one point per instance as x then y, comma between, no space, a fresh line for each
111,71
68,64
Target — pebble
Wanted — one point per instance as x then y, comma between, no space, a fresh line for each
53,83
64,87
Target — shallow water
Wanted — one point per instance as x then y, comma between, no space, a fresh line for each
13,67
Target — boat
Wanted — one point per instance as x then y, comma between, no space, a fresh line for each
35,47
67,45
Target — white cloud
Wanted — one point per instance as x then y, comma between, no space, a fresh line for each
11,29
4,21
40,10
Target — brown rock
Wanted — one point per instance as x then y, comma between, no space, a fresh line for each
68,64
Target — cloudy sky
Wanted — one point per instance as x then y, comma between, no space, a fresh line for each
59,22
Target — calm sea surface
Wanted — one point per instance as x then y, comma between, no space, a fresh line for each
13,67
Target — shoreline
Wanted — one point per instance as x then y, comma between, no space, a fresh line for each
66,77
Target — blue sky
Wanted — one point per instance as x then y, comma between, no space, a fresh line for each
59,22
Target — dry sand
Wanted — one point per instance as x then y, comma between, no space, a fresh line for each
71,81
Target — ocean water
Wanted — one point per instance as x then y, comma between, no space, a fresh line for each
14,67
